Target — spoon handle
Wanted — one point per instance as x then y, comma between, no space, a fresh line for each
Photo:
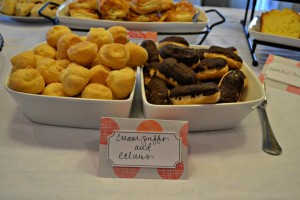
270,144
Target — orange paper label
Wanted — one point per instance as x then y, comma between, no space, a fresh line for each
143,35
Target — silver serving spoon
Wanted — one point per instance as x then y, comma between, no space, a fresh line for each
195,17
270,144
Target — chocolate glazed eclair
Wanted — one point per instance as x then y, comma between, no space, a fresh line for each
153,53
157,91
211,68
201,93
187,56
176,73
231,86
234,61
176,40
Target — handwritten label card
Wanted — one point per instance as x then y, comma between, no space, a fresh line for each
282,73
143,148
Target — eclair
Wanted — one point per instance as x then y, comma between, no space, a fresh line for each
202,93
211,68
176,40
234,61
187,56
176,73
231,86
157,91
153,53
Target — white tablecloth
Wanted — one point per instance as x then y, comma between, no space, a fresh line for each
48,162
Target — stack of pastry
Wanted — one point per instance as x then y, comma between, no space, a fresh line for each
84,9
99,65
134,10
28,8
161,10
177,74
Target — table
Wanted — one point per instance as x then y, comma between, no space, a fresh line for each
48,162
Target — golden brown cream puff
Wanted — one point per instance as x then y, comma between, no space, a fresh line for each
99,36
54,33
83,52
114,55
28,80
138,56
96,91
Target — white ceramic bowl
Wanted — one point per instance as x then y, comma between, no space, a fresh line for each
70,111
207,117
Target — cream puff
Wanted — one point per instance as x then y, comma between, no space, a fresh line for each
83,52
121,82
54,33
74,79
28,80
138,56
97,91
114,55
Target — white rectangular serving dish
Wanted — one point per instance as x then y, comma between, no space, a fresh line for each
254,30
208,117
161,27
69,111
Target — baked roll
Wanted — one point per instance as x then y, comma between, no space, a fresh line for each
113,55
176,73
203,93
84,13
99,36
8,7
182,11
234,61
231,86
25,59
54,89
45,50
145,6
54,33
64,43
157,91
151,48
148,17
187,56
96,91
74,79
138,56
83,52
121,82
23,8
211,68
120,34
113,9
28,80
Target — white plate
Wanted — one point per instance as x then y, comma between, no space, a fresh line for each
26,19
254,30
210,116
161,27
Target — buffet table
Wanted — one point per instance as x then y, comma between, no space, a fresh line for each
49,162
